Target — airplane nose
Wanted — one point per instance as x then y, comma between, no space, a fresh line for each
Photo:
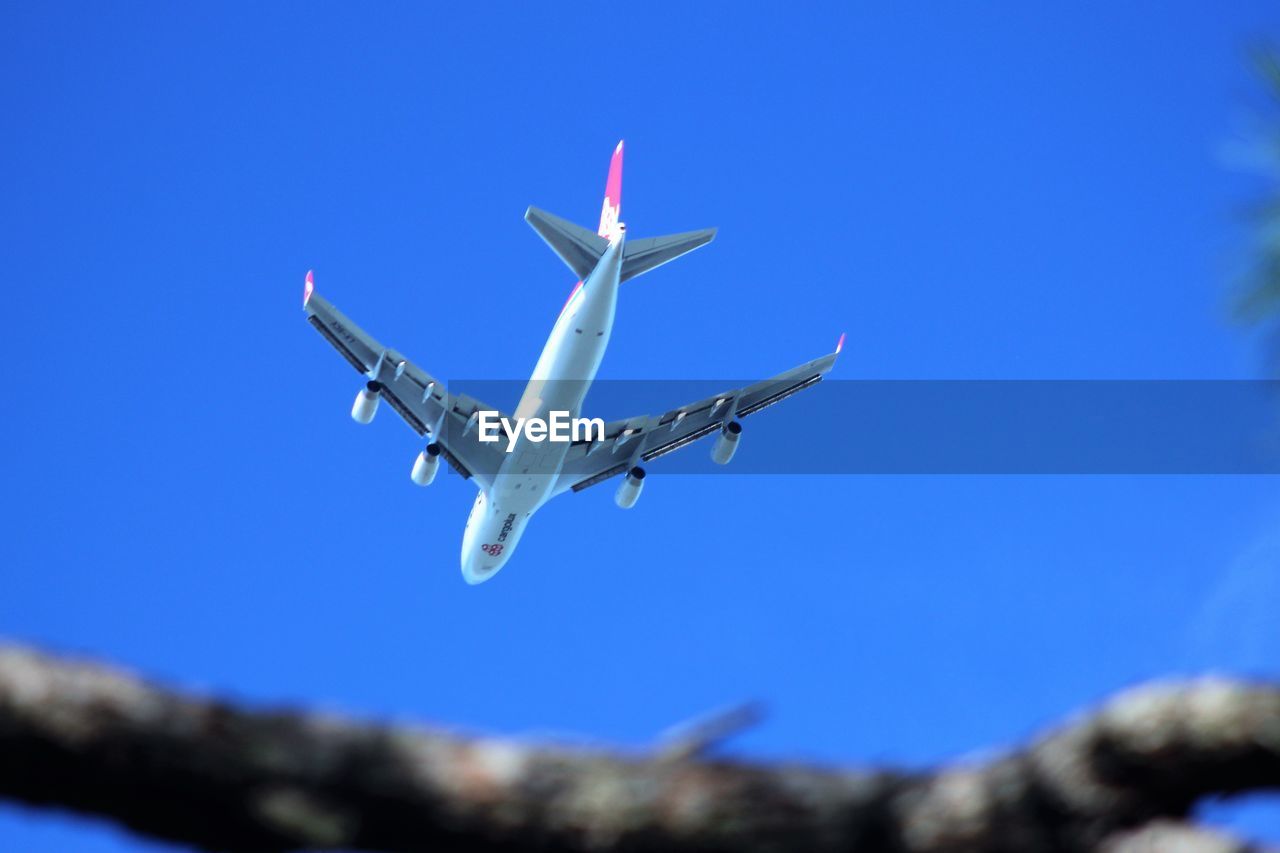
473,578
475,574
478,567
490,539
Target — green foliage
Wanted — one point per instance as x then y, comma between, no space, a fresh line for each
1259,301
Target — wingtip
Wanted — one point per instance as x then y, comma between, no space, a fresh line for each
840,343
619,148
310,288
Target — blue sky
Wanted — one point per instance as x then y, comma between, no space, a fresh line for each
1010,192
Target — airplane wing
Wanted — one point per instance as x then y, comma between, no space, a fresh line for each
417,397
648,437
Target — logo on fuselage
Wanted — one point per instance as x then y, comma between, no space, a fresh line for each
609,220
493,549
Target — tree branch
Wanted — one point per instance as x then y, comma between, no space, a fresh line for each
203,772
1163,836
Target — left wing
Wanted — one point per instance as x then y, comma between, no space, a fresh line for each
417,397
645,438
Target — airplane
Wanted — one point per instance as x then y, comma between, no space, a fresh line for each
516,479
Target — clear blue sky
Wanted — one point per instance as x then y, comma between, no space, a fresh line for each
1014,192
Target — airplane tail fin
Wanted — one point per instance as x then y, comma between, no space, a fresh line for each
611,211
581,250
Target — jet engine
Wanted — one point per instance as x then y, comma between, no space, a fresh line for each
726,443
426,465
629,492
366,404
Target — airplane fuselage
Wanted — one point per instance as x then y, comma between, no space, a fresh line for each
560,382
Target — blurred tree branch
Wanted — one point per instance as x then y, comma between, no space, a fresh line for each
83,736
1259,301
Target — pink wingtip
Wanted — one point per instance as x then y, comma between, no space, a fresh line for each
309,289
840,343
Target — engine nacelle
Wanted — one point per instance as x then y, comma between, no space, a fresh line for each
366,404
726,443
426,465
629,492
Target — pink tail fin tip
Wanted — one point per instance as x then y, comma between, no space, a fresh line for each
611,211
309,289
840,343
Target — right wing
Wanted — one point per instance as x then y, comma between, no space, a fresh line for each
417,397
648,437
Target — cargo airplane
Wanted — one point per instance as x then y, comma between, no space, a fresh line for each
516,478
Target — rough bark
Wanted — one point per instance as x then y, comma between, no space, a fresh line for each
203,772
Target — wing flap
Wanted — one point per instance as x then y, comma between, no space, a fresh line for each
342,349
780,396
409,415
589,463
600,478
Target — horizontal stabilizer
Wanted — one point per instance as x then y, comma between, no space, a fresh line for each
580,248
640,256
